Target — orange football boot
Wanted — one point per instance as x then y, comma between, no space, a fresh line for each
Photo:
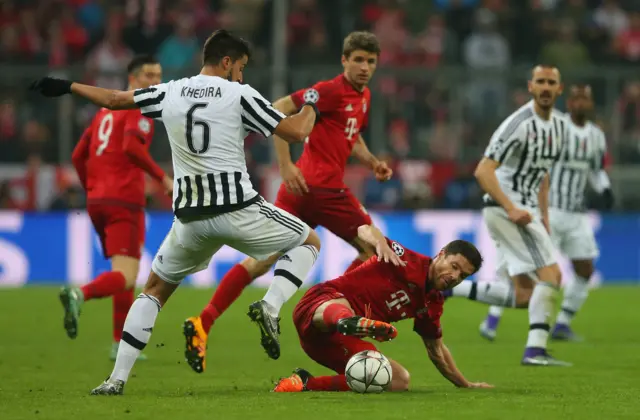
294,383
196,346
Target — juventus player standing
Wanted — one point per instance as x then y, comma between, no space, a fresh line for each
514,173
207,118
581,162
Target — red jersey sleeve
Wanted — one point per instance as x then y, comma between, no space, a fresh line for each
80,154
427,324
140,126
138,132
325,95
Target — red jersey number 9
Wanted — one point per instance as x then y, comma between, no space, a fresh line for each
104,133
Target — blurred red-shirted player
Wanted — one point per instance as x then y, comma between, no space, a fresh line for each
111,160
333,317
313,189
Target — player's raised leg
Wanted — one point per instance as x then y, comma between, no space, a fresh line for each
196,328
575,294
332,338
290,271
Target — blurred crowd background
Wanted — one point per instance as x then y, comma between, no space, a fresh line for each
449,72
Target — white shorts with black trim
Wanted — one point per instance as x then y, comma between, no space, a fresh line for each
259,231
573,235
522,250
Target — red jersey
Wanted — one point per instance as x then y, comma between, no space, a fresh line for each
384,292
344,113
112,157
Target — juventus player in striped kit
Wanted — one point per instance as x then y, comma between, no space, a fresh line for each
581,162
514,173
207,118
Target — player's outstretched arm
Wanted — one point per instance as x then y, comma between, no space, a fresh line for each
443,361
106,98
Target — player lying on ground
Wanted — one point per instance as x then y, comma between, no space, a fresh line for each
111,159
313,189
514,173
581,163
332,318
207,118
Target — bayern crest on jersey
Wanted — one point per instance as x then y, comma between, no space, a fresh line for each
311,95
364,105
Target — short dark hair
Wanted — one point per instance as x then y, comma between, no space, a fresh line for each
467,250
223,43
547,66
360,40
139,61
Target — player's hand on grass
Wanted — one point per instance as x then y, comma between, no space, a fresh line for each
479,385
382,171
520,217
293,179
167,182
51,87
386,254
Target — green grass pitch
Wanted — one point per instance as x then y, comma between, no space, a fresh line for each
44,375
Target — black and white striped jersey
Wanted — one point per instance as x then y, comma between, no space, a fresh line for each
583,155
526,146
207,119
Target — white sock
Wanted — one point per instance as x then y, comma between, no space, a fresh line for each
496,311
541,306
135,335
494,293
290,271
575,294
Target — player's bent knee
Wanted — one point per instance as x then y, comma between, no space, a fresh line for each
157,287
313,239
550,274
522,295
583,268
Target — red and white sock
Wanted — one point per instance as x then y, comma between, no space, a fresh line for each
229,289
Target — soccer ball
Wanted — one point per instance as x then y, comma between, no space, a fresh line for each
368,372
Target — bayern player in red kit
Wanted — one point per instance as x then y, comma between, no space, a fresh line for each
333,317
111,159
313,189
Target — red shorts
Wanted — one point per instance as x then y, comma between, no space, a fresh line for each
330,349
121,229
337,210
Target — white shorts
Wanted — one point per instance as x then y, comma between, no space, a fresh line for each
522,249
572,234
259,231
